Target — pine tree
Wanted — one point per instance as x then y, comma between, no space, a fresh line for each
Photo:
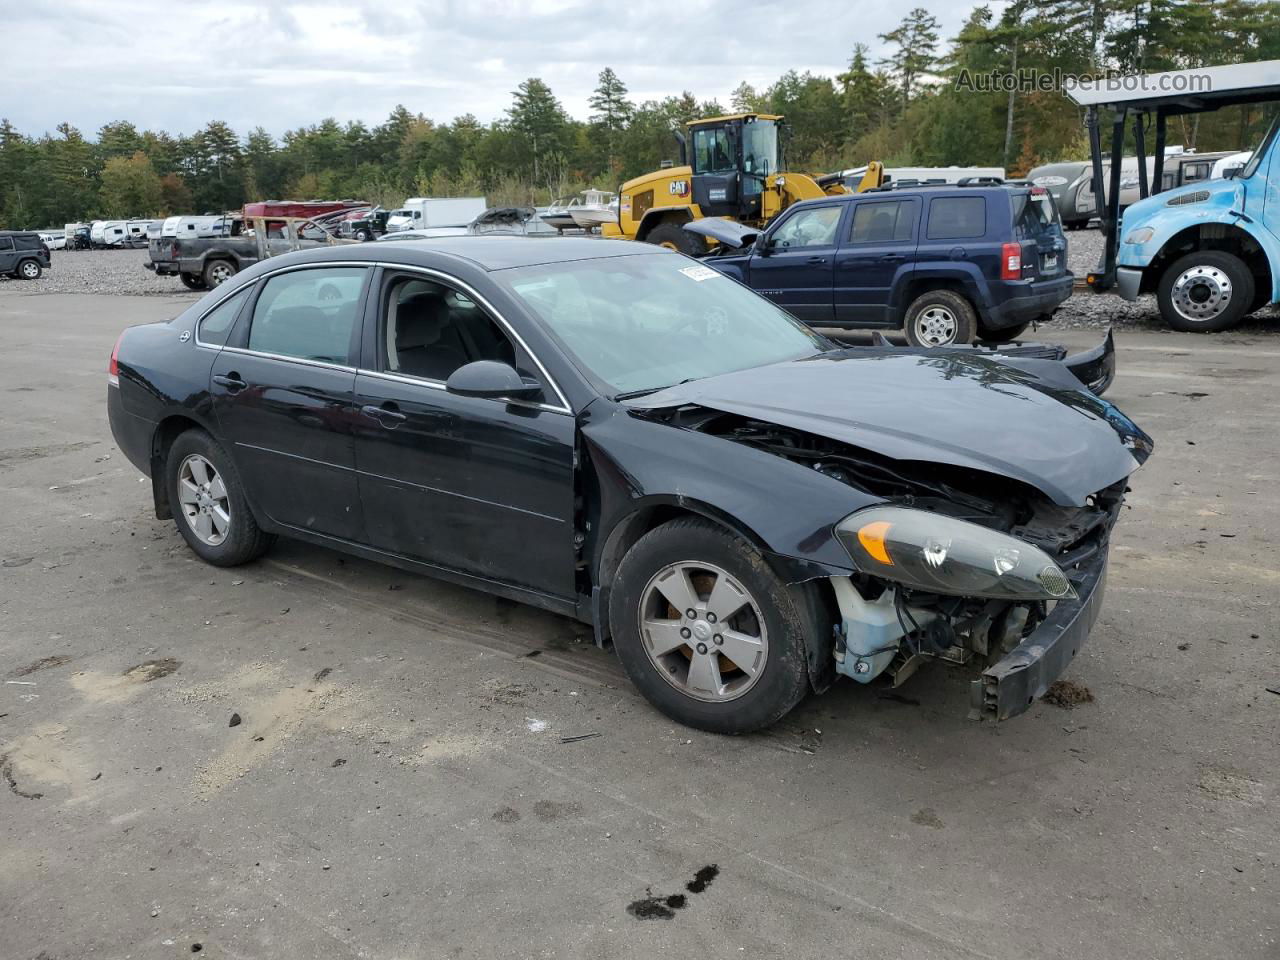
612,111
538,116
916,39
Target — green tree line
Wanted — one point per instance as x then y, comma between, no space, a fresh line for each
910,107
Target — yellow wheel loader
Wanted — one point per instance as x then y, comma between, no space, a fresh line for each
731,167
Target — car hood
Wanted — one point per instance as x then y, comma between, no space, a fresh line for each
1191,198
1026,422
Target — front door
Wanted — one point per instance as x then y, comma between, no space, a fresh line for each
283,393
480,486
879,250
796,266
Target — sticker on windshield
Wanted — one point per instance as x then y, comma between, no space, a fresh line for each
700,273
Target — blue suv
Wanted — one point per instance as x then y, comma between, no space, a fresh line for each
946,263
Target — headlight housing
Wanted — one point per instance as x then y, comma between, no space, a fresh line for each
940,554
1141,235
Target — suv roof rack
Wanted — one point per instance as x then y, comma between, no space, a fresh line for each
934,184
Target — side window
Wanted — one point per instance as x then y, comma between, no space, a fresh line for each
431,330
712,150
216,325
957,218
309,314
883,221
815,227
6,243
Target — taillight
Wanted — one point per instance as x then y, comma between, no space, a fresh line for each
1011,261
173,250
113,366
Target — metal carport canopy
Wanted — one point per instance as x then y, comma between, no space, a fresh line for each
1181,91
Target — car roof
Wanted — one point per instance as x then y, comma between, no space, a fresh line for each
489,252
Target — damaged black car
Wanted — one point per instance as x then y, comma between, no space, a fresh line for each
744,509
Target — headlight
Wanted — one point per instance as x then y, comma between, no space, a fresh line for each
939,554
1141,235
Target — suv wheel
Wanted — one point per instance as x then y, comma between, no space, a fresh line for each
705,629
1205,291
939,318
208,502
29,270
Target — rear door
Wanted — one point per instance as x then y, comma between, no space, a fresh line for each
957,228
283,392
878,252
8,255
1037,227
797,268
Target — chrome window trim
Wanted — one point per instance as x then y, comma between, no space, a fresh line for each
470,291
502,322
440,385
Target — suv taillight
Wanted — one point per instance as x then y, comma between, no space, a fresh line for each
1011,261
113,365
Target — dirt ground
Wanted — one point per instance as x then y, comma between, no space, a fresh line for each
408,775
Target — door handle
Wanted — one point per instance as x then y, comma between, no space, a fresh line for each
892,258
816,260
388,414
231,381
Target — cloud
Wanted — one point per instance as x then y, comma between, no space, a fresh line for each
288,64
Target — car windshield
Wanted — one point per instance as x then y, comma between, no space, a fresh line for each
1256,159
641,323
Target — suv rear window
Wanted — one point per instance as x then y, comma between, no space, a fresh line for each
27,242
1033,214
957,218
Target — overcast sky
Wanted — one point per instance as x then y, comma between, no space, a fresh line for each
175,66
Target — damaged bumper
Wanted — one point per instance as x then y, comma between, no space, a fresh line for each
1014,683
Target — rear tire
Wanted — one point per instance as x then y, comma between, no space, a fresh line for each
208,502
760,623
1205,291
192,281
674,237
218,271
28,270
939,318
1002,335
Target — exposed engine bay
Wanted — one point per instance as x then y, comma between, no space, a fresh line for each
890,627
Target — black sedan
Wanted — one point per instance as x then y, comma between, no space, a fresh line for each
620,434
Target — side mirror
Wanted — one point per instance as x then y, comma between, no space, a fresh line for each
492,380
764,245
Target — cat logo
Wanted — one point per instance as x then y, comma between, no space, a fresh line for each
679,188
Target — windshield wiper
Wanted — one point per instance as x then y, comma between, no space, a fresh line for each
632,394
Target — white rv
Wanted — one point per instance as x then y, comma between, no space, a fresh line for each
419,213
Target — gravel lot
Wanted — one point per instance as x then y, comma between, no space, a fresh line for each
316,756
121,272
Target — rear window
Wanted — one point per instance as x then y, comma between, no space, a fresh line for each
1033,214
27,242
957,218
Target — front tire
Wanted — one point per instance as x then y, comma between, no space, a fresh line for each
208,503
673,236
1205,292
939,318
739,663
29,270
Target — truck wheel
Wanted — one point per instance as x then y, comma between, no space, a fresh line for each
939,318
1205,291
29,270
362,235
674,237
705,629
218,271
193,281
1003,335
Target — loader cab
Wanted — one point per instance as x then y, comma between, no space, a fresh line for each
731,157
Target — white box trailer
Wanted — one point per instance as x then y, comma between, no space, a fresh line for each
419,213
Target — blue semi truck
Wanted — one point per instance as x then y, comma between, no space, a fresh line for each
1209,251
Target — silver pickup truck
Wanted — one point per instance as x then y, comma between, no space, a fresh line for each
204,262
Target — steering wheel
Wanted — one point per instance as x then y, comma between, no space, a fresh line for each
329,291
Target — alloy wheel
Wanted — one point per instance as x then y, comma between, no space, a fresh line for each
30,271
204,500
1201,293
220,273
703,631
936,327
